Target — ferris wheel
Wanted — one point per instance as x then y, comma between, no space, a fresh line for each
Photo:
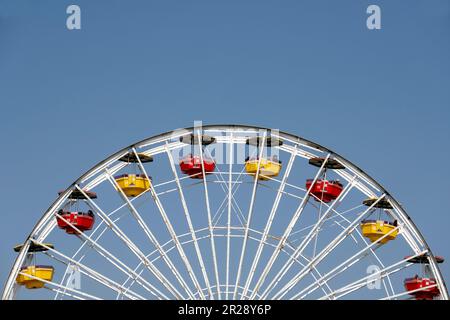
225,212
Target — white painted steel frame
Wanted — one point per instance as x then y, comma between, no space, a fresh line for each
234,134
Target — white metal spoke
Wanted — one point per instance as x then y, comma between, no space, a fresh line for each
363,281
84,243
409,292
353,259
91,273
216,216
316,260
64,293
10,285
151,237
171,229
226,251
190,225
249,216
210,226
234,205
365,241
289,228
269,222
227,271
133,248
225,189
114,260
308,238
86,295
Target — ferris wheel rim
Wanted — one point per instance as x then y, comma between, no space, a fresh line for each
220,127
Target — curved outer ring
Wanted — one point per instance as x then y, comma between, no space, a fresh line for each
8,292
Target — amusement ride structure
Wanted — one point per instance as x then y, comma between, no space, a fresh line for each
225,212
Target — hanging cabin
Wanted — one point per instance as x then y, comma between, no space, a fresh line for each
133,184
269,167
192,166
324,190
423,287
82,221
32,276
376,229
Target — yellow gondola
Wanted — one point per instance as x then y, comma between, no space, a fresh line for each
132,184
375,229
40,272
269,168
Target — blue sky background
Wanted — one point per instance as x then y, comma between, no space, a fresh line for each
137,68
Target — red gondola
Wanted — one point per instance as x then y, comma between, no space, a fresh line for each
417,283
325,190
83,221
192,165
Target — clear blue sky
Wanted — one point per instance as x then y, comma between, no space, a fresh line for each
137,68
